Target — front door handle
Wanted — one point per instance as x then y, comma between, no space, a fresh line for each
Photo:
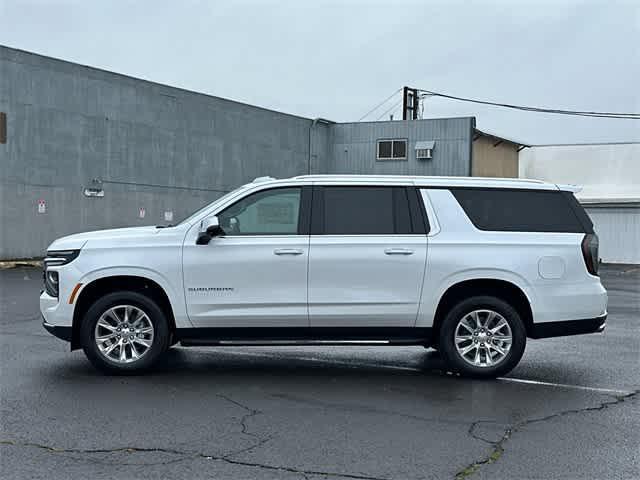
288,251
398,251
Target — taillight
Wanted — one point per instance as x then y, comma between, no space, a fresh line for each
590,252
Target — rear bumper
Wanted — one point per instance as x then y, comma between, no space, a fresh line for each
569,327
63,333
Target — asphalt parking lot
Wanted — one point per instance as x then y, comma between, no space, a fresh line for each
569,410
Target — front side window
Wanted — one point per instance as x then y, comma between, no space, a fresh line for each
268,212
392,149
363,211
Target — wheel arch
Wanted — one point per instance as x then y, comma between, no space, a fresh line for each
113,283
502,289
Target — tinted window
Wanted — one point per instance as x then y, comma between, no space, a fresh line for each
580,212
384,149
399,149
392,149
518,210
269,212
363,211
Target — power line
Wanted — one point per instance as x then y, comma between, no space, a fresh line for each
155,185
392,109
379,105
632,116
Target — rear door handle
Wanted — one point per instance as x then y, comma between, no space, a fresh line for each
288,251
398,251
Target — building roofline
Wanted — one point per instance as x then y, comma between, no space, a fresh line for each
585,144
399,120
484,133
150,82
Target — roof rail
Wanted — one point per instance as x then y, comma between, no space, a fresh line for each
419,177
263,179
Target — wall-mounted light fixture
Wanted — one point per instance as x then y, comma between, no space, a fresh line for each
94,189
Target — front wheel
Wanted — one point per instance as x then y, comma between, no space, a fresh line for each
124,333
482,337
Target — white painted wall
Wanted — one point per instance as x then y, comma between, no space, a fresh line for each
610,177
618,230
606,171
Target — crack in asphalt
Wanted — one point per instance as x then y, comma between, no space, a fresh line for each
190,455
259,441
89,451
347,407
498,446
186,455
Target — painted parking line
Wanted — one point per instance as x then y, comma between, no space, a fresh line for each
608,391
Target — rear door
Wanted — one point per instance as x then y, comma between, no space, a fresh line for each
367,256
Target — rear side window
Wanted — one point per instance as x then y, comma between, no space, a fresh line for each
519,210
361,211
580,212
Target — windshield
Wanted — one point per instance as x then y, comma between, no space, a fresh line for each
211,204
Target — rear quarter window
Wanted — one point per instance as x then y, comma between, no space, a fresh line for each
521,210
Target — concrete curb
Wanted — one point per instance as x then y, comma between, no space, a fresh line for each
7,264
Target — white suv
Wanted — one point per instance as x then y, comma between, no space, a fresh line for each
472,267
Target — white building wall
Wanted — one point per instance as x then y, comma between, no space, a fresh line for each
610,177
606,171
619,232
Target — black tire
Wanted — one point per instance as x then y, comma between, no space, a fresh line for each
447,345
158,347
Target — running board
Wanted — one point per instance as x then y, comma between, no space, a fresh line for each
275,336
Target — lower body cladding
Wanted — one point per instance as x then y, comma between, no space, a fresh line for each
568,327
305,335
359,335
481,336
342,335
64,333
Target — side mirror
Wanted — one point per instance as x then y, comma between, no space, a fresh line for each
209,228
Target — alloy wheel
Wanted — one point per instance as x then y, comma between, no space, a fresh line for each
124,334
483,338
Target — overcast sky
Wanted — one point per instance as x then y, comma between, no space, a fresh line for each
338,59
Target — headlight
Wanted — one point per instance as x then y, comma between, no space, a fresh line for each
51,277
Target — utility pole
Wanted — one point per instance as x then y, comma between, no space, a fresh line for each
410,103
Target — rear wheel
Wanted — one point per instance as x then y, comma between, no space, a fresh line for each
482,337
124,333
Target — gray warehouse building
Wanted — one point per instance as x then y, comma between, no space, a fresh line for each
84,149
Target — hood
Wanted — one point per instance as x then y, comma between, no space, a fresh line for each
77,241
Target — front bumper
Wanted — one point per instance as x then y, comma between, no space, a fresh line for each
64,333
569,327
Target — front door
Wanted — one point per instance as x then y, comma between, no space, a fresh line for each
255,275
366,261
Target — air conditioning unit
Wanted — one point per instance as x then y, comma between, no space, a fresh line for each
424,150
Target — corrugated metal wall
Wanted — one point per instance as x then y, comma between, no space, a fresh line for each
68,124
618,228
354,147
163,149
